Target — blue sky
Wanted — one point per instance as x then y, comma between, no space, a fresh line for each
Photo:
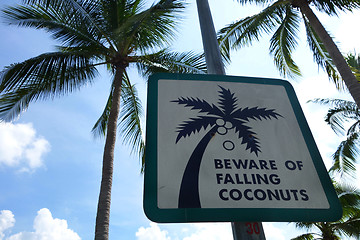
50,164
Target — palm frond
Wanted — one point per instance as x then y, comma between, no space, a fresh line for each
284,41
332,7
152,27
350,228
349,197
198,104
321,55
194,125
258,2
337,116
173,62
306,236
305,225
345,156
59,72
115,14
69,21
355,128
348,225
227,101
46,76
248,137
354,62
99,128
348,194
255,113
244,31
98,55
334,102
130,115
341,111
14,103
225,49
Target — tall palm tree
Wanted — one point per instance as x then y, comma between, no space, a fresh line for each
114,33
283,17
221,120
348,225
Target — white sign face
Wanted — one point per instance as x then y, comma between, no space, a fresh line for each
276,171
232,145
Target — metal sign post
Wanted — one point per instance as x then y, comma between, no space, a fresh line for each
248,230
241,231
211,47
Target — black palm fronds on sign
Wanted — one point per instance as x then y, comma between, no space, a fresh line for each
197,104
195,125
226,116
227,101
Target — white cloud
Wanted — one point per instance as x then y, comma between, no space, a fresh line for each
7,221
194,231
46,227
211,231
151,233
208,231
20,147
273,232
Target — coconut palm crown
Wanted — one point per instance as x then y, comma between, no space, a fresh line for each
113,33
282,18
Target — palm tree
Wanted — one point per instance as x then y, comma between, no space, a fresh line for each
221,119
341,112
114,33
348,225
283,17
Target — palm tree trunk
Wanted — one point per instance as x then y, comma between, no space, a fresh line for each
189,188
346,74
103,211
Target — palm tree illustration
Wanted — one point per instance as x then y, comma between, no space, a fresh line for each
221,119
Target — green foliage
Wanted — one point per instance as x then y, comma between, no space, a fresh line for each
354,63
45,76
343,112
282,18
115,33
306,236
339,117
320,54
347,226
284,41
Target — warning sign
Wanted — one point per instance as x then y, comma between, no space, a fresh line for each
223,148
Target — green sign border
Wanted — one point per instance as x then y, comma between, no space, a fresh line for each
179,215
